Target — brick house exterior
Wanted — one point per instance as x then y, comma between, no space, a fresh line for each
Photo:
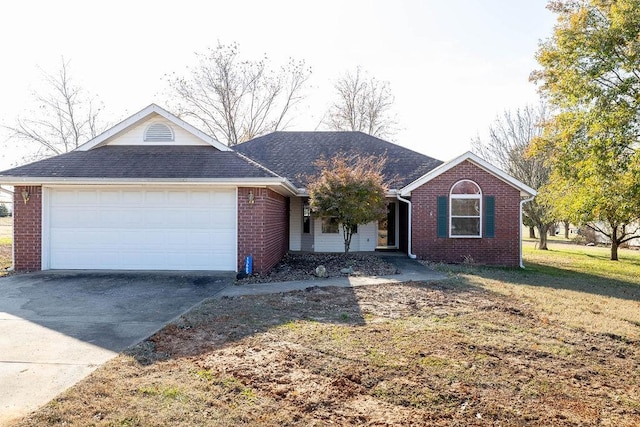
128,200
263,227
501,249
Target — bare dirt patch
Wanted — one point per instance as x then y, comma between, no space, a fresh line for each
410,354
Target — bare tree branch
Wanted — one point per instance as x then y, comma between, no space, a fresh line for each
235,100
363,104
507,147
66,117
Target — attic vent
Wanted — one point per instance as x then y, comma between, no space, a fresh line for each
158,132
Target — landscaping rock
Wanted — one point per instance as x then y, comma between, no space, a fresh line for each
348,270
321,271
302,266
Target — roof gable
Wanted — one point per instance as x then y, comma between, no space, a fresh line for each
524,189
292,154
131,131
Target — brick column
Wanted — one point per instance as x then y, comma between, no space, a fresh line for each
27,234
262,228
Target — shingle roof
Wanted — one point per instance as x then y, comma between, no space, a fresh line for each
137,161
292,154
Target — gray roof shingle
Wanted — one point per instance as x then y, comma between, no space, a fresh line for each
137,161
292,154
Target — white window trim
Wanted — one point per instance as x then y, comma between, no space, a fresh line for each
465,196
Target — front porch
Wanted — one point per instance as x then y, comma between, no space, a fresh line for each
308,233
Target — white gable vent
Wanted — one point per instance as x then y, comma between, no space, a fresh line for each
158,132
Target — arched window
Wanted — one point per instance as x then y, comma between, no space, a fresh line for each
158,132
465,217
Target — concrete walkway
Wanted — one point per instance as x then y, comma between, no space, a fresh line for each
57,327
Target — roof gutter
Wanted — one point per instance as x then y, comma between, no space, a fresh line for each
18,180
408,202
522,202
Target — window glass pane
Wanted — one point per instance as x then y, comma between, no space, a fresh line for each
465,207
465,187
465,226
329,225
306,219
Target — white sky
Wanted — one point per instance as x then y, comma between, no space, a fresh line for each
452,65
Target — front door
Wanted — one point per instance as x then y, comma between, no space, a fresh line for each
387,228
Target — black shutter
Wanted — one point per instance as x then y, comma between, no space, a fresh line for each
489,216
443,217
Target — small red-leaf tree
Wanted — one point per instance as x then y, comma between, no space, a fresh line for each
350,189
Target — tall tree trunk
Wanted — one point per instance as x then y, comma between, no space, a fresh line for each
347,233
542,245
566,229
532,232
614,243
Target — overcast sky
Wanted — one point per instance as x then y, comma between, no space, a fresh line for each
452,65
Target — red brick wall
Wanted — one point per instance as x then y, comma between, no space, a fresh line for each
263,228
27,220
503,249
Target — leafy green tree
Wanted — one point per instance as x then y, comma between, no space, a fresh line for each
349,189
4,211
591,73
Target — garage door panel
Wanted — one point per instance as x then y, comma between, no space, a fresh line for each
87,198
155,229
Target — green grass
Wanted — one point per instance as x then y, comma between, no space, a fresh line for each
6,240
576,285
566,259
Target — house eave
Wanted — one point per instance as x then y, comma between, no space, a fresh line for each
525,190
244,182
390,194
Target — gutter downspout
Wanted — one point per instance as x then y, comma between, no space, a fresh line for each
522,202
408,202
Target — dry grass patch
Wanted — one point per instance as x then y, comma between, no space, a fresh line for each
6,227
467,351
6,256
6,239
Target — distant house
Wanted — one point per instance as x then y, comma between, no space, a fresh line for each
155,193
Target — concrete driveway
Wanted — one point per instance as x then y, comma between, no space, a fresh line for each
57,327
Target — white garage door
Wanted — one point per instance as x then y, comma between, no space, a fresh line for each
132,229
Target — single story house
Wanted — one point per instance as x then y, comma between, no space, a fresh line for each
155,193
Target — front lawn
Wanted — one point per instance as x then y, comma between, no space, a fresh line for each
6,238
556,344
5,255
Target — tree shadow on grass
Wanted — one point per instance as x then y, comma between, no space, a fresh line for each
542,275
